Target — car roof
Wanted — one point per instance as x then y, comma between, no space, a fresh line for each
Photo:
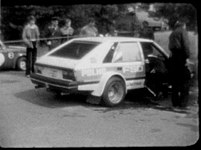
113,39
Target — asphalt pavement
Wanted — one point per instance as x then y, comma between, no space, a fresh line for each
36,118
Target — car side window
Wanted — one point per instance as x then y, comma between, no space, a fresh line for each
149,48
127,52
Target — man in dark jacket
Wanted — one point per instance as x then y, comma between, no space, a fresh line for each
53,34
179,47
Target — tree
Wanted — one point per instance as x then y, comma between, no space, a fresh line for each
14,18
79,14
175,11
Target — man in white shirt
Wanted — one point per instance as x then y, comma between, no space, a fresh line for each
89,30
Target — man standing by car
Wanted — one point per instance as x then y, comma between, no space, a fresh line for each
179,60
53,32
66,30
89,30
30,37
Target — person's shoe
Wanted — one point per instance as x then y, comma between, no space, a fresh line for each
158,96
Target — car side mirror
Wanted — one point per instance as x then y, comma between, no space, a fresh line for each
147,61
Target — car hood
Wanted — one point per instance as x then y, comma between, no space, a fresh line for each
57,62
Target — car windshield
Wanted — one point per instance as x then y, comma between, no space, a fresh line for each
75,49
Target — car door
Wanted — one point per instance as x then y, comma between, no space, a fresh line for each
153,55
156,66
126,58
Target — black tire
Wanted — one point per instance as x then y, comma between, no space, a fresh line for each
114,92
21,64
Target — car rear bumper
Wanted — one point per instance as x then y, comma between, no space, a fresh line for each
54,84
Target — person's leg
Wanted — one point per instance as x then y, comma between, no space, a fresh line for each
159,80
184,94
34,56
175,94
28,63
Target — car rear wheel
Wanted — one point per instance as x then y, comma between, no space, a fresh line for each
21,64
114,92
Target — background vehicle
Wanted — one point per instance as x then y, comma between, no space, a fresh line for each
13,57
105,67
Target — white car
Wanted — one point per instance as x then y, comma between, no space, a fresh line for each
105,67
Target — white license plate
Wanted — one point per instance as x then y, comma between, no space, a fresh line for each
52,73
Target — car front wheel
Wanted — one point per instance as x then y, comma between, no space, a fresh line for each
21,64
114,92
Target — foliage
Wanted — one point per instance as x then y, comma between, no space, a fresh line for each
175,11
79,14
14,17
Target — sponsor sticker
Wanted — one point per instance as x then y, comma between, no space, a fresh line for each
93,72
133,68
135,84
11,55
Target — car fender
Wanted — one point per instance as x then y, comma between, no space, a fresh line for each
2,59
17,57
103,81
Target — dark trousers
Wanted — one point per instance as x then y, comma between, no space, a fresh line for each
180,93
31,59
180,77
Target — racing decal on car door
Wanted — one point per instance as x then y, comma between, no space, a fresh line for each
11,55
2,59
92,72
134,84
133,68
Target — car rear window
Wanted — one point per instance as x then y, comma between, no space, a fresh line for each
75,49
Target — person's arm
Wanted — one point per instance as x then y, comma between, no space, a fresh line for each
82,32
71,31
186,44
47,35
24,37
37,34
96,30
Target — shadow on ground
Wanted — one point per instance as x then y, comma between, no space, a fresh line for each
133,100
44,98
13,72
